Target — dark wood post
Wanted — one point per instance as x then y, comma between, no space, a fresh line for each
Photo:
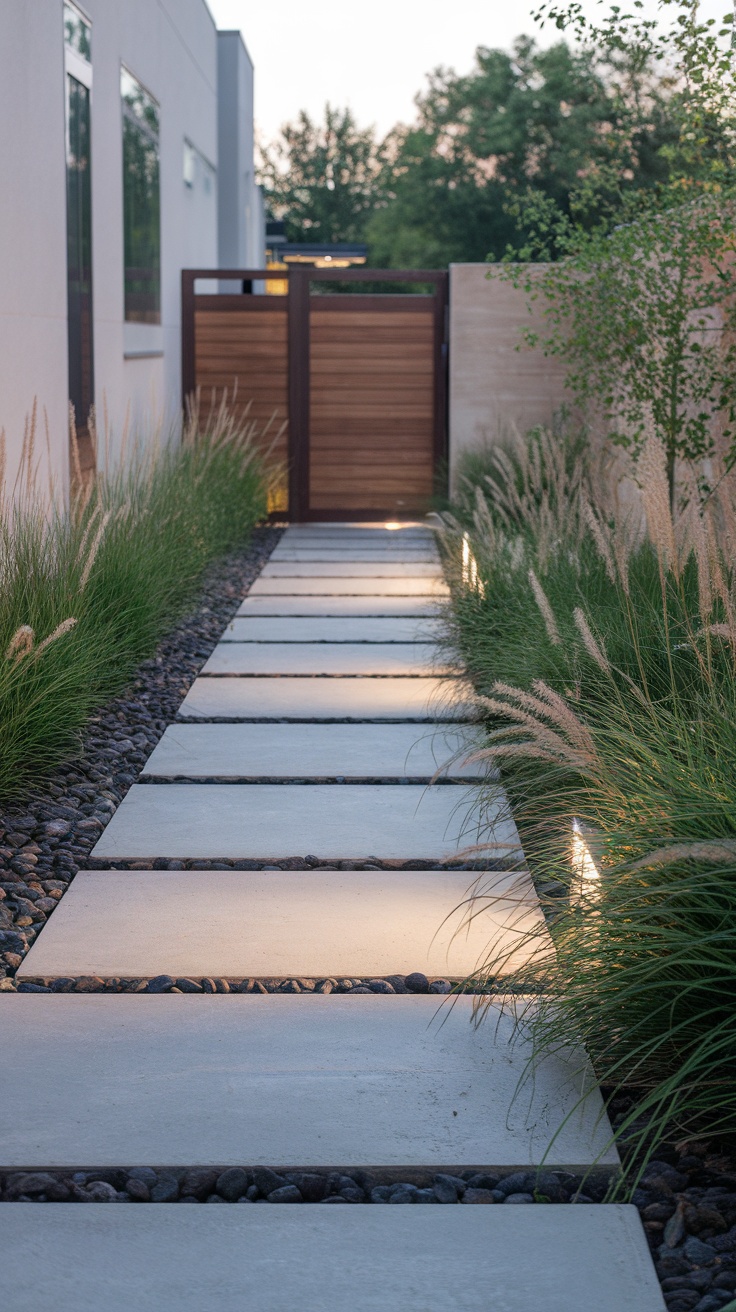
188,378
299,279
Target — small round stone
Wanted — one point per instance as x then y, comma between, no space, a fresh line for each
288,1193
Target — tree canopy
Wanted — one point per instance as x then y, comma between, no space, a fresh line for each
443,188
322,178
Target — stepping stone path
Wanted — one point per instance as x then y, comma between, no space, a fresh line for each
304,821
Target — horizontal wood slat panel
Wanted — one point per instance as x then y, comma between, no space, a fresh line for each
229,325
357,501
380,440
366,482
367,429
370,493
391,372
236,386
234,304
362,339
267,352
271,379
211,316
382,414
378,351
378,459
347,399
215,341
416,320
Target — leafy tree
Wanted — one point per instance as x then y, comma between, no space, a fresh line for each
645,319
323,179
641,302
449,186
540,118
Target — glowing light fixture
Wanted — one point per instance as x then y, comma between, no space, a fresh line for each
586,885
470,575
392,524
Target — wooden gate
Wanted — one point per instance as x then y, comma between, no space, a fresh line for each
359,380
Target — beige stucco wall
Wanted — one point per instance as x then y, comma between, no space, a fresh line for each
497,381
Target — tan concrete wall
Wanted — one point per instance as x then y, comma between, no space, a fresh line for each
497,381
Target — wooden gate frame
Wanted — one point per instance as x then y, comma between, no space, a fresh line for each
299,279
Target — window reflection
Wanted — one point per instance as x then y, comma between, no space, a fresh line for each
77,32
141,202
79,249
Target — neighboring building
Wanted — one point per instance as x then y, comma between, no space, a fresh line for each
127,156
241,220
280,253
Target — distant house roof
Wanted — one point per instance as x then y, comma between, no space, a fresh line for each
320,253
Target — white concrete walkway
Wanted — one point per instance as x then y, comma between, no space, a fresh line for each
324,716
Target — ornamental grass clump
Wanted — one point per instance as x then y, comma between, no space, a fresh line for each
605,669
86,593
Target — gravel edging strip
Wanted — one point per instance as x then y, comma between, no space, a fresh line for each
250,1184
416,982
48,837
300,863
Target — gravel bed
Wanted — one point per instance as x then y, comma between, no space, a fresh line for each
48,837
687,1202
416,982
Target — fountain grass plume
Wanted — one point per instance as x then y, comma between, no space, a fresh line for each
103,580
619,716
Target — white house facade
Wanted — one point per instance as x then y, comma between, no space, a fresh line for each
127,156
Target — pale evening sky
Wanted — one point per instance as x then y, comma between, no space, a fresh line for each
371,56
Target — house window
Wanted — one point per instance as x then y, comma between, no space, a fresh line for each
141,202
78,66
77,32
198,173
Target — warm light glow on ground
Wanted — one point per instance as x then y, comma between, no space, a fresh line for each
392,524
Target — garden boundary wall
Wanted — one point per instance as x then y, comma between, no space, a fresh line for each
497,382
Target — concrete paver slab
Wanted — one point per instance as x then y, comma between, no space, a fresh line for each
333,822
379,555
313,751
332,629
305,923
349,587
65,1258
355,569
309,658
302,1080
371,543
290,698
375,530
321,606
360,546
